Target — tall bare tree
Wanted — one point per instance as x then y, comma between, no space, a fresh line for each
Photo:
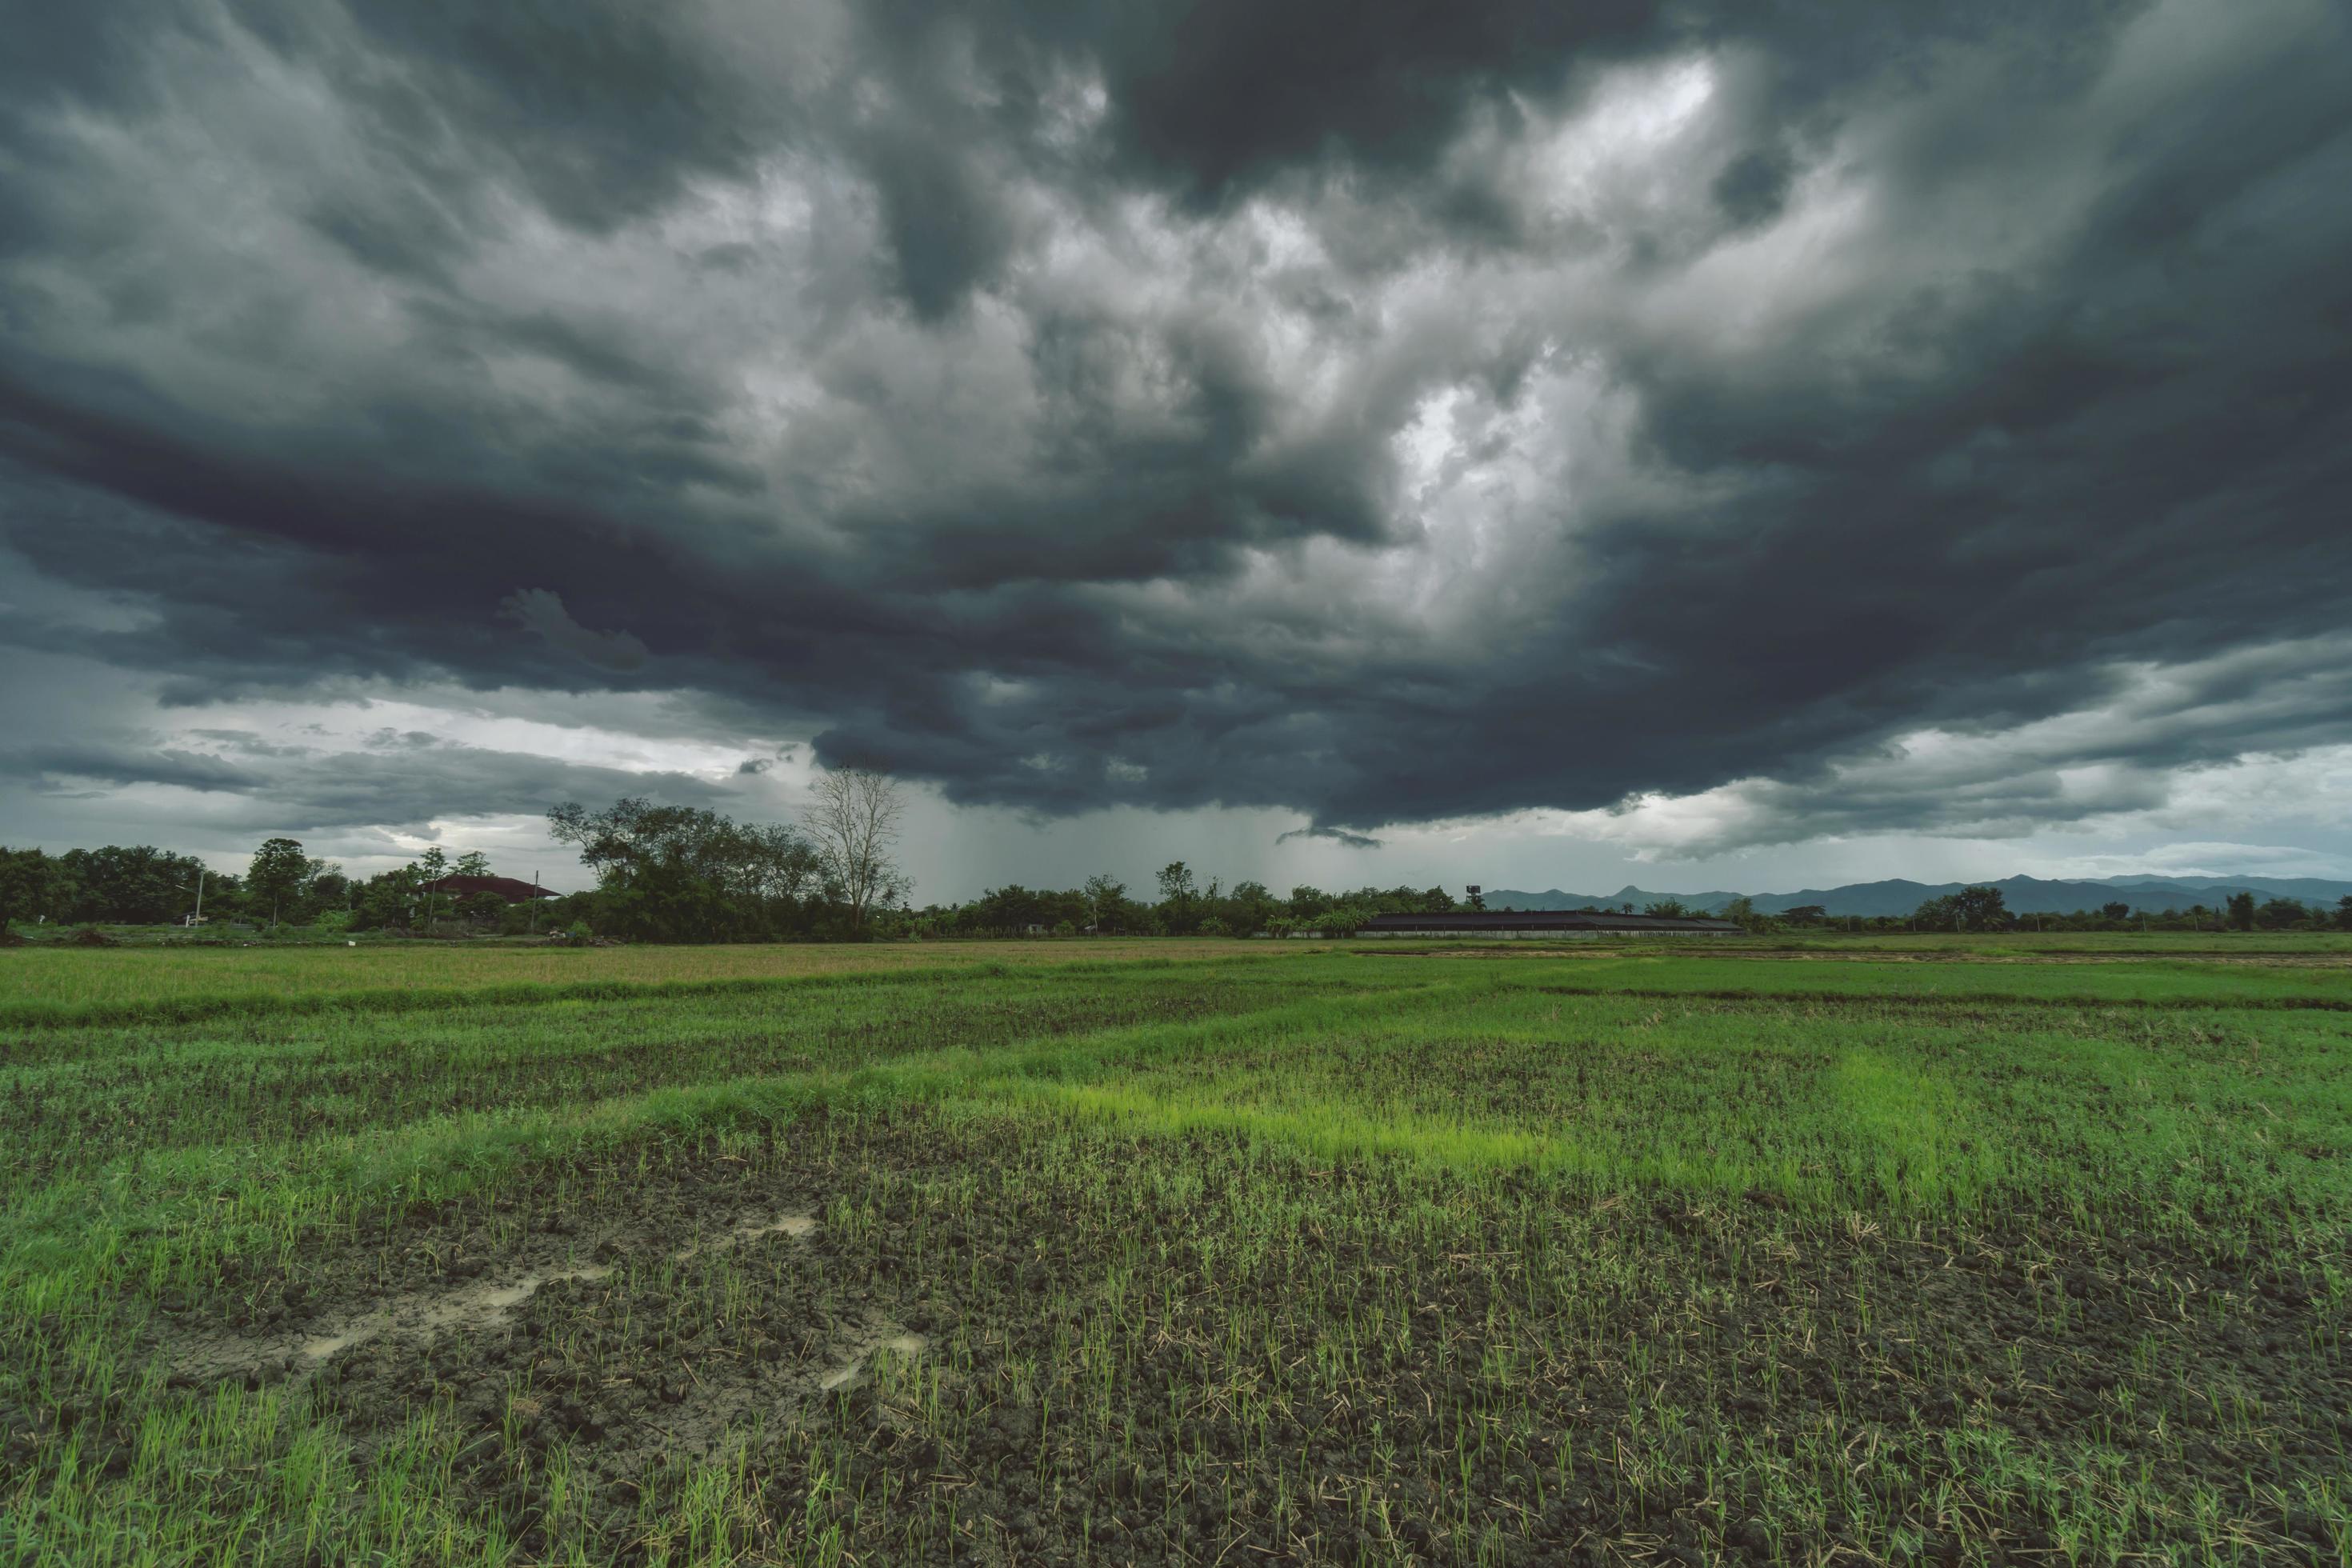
853,821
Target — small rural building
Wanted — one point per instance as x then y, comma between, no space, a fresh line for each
512,890
1552,925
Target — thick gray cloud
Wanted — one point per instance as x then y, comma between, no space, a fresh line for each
1362,409
544,613
264,787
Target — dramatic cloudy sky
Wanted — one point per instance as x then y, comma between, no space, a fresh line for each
1707,443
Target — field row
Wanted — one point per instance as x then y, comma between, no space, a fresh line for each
99,986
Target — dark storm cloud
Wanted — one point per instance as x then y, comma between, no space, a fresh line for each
1376,411
1754,186
282,789
101,763
544,613
1335,834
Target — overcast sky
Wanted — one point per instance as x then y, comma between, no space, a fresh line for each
1705,445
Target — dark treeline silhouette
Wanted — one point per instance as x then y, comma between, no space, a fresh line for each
1184,907
685,874
1985,910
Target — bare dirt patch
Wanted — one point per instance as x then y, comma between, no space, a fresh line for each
292,1343
990,1353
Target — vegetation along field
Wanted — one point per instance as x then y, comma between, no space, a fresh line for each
1219,1255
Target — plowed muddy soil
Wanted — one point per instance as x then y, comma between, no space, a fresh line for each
907,1340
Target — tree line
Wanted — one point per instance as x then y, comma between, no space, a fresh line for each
688,874
1986,909
1185,906
663,873
281,886
139,884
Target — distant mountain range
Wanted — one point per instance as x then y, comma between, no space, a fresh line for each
1900,897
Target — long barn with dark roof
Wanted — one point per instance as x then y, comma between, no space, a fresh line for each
512,890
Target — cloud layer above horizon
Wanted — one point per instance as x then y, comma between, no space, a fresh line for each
1717,423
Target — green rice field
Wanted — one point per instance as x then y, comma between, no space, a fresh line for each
1159,1252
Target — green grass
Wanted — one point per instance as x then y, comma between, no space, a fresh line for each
58,982
1320,1252
2140,982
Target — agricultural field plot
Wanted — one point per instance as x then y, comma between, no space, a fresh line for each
1238,1254
82,984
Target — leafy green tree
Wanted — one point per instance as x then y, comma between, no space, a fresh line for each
279,873
1970,908
1982,909
2282,914
473,863
1180,899
1008,911
1979,908
431,866
1668,908
2242,911
2117,912
673,873
128,885
1106,901
29,882
389,900
1249,908
1742,910
2343,912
